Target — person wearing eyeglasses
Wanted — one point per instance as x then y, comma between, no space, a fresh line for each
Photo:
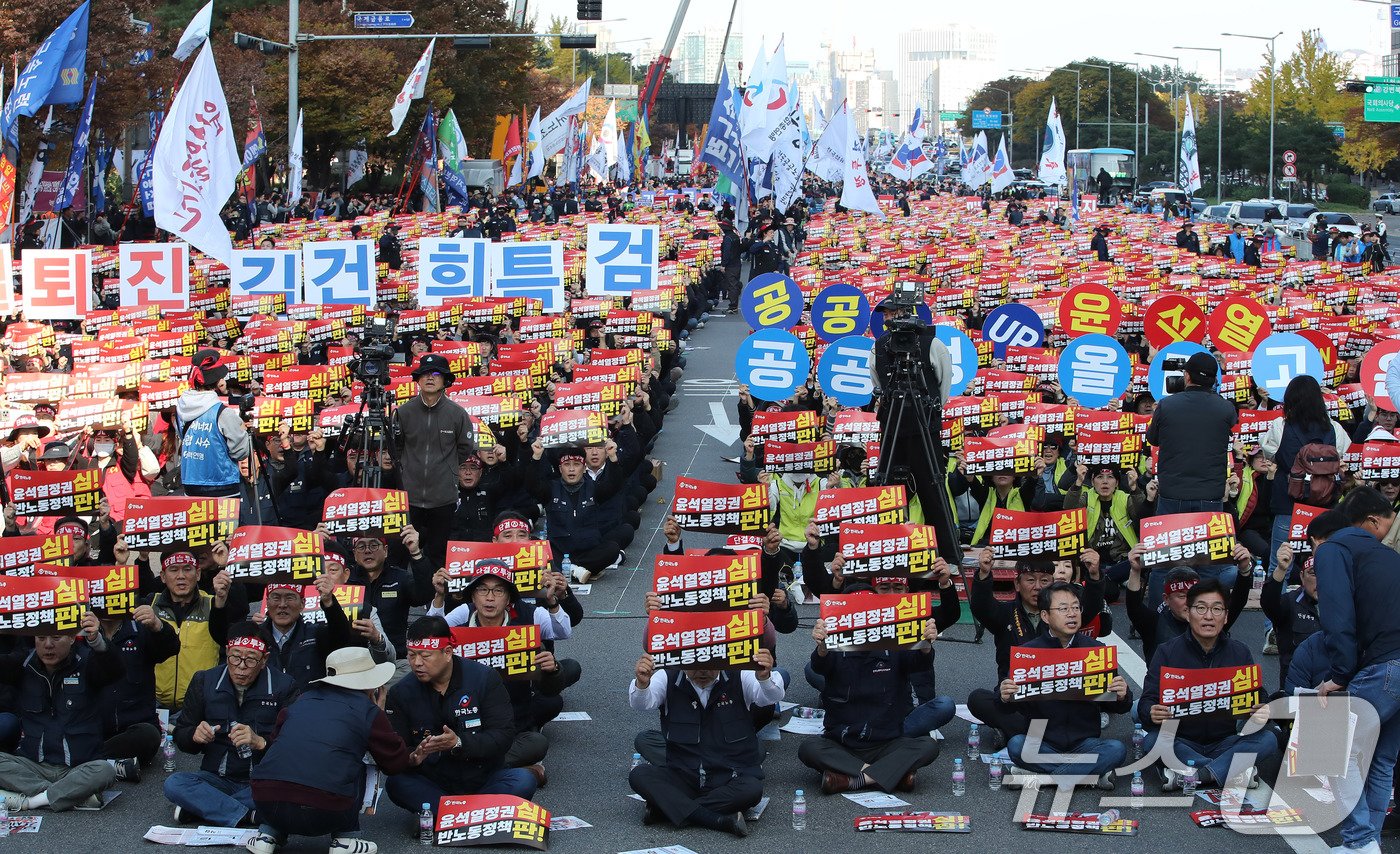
393,590
1211,741
1293,609
227,708
1072,726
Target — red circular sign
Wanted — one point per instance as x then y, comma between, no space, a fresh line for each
1373,368
1326,346
1239,324
1171,318
1090,308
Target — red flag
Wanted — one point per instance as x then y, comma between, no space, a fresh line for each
512,140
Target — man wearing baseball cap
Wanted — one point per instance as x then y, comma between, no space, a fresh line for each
214,443
433,436
1192,431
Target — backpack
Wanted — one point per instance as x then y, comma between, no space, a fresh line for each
1316,474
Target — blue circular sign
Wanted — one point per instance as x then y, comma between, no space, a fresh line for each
1094,370
963,353
772,363
1157,375
1281,357
771,301
846,370
840,310
1012,325
877,319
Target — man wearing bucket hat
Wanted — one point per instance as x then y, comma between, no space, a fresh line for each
433,436
311,780
214,443
26,435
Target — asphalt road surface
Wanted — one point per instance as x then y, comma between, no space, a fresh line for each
589,760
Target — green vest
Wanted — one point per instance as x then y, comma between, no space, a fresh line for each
1117,511
984,522
794,515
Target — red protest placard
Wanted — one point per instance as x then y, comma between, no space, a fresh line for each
500,411
606,397
526,561
1171,318
178,522
369,512
1090,308
112,590
1078,673
1190,538
1024,534
801,457
1298,523
721,508
723,639
561,428
922,822
855,427
350,596
310,381
1239,323
876,620
1380,461
705,582
55,493
20,555
985,455
903,550
270,412
465,820
1228,691
800,426
1254,423
41,605
1093,448
267,554
1052,417
511,650
870,505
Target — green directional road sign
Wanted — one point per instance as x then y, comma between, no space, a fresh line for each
1382,99
951,116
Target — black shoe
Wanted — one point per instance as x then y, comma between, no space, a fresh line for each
737,825
650,815
128,770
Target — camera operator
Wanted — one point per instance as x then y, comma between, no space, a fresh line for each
1191,429
215,447
432,438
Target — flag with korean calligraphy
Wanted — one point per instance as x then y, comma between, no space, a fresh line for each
267,554
721,508
1298,523
985,455
55,493
921,822
870,505
20,555
801,426
720,639
705,582
871,550
350,596
1221,691
1093,448
867,621
41,605
563,427
366,512
526,561
814,457
1076,673
1028,535
1187,538
853,427
171,522
1380,460
510,650
464,820
112,590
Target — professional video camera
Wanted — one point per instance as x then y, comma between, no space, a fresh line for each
1174,369
370,430
371,363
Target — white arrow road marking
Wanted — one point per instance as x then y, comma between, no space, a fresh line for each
721,429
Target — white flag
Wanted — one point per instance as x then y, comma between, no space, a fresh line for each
856,194
196,32
35,175
828,160
516,175
355,163
533,149
597,162
412,87
1190,176
753,105
788,157
608,135
981,162
775,101
294,165
1051,169
554,129
1002,176
195,162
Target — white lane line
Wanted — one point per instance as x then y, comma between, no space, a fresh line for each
1128,659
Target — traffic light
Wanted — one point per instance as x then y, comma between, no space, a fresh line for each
243,41
469,42
588,42
590,10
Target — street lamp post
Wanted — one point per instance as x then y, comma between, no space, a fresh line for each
1272,75
1011,126
1137,114
1220,114
1176,116
1108,110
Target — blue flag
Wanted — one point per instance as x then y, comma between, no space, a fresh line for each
46,79
918,120
723,148
68,89
77,160
147,185
99,177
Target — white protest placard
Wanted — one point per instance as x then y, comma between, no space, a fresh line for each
257,272
339,272
533,268
452,267
7,284
155,274
57,283
622,258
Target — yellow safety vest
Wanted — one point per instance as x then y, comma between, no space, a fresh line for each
794,515
1117,511
984,522
198,651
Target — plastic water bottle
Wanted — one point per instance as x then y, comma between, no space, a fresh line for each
636,759
1188,780
799,811
1139,738
959,779
167,751
245,751
1108,817
974,743
994,775
1138,790
1258,580
425,825
566,568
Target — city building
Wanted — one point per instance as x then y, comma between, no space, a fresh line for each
697,55
940,69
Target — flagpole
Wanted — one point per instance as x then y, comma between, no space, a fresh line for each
150,151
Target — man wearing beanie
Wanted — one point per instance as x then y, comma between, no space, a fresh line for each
214,443
1191,430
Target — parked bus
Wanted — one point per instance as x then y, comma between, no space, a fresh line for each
1082,167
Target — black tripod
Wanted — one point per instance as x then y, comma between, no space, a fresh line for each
371,429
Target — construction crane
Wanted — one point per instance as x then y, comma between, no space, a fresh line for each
656,72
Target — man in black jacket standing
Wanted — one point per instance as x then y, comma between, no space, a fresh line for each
731,250
390,249
1188,239
433,437
1191,429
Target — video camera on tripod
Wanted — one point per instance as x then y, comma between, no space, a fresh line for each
369,429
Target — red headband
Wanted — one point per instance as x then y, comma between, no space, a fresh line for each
76,529
271,587
571,456
1179,586
252,643
888,579
179,559
430,643
511,525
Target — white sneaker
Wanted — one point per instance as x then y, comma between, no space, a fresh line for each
14,801
1249,778
582,576
1171,780
262,844
352,845
1373,847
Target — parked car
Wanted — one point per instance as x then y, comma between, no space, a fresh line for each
1344,222
1386,203
1198,205
1254,214
1216,213
1298,218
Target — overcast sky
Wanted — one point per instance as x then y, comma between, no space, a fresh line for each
1033,33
